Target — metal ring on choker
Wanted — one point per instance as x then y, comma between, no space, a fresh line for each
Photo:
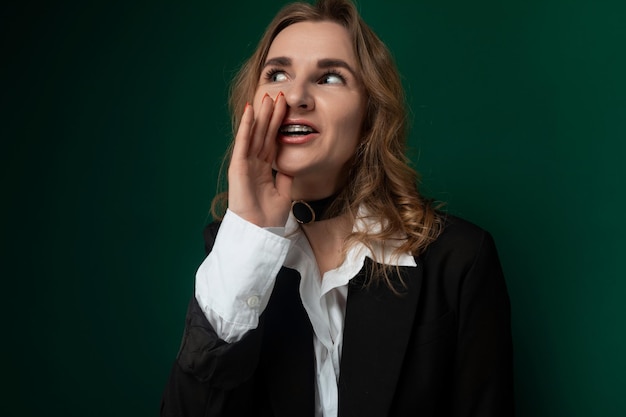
307,212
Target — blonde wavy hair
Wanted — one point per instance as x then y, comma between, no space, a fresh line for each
380,183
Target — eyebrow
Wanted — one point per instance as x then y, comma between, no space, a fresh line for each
283,61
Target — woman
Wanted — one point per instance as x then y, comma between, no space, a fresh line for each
331,287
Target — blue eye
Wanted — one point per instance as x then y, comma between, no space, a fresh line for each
332,78
275,76
279,76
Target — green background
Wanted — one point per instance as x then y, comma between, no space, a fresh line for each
114,124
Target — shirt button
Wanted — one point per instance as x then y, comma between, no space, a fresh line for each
253,301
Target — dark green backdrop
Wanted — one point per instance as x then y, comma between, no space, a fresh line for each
113,126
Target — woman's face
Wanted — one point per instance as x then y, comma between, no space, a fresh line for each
314,65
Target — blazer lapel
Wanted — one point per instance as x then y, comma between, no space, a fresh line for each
377,329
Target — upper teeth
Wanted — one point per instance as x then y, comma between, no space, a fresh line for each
296,129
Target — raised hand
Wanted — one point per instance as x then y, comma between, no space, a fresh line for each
253,192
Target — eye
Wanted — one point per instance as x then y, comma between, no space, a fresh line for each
332,77
275,76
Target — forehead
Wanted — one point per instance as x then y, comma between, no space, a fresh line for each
313,41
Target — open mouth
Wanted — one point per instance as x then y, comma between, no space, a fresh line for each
296,130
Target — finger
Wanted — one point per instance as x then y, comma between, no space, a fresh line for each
261,121
268,152
242,138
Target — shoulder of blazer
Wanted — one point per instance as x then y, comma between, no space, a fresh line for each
460,242
462,254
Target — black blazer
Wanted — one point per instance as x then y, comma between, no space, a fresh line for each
440,348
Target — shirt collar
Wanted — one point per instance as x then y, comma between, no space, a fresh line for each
355,258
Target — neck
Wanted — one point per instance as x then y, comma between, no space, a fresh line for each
314,188
327,239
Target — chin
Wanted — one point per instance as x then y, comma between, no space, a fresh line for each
287,171
289,166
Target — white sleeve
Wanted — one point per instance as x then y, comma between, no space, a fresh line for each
235,281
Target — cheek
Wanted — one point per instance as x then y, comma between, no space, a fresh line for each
258,96
351,126
260,93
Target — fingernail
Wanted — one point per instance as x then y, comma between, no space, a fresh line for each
265,96
246,107
280,94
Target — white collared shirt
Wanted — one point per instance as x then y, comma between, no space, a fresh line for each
235,281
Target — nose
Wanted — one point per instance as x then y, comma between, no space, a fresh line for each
298,95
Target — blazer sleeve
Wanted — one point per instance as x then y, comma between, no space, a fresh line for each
209,375
484,369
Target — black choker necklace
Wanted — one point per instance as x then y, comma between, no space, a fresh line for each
307,212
